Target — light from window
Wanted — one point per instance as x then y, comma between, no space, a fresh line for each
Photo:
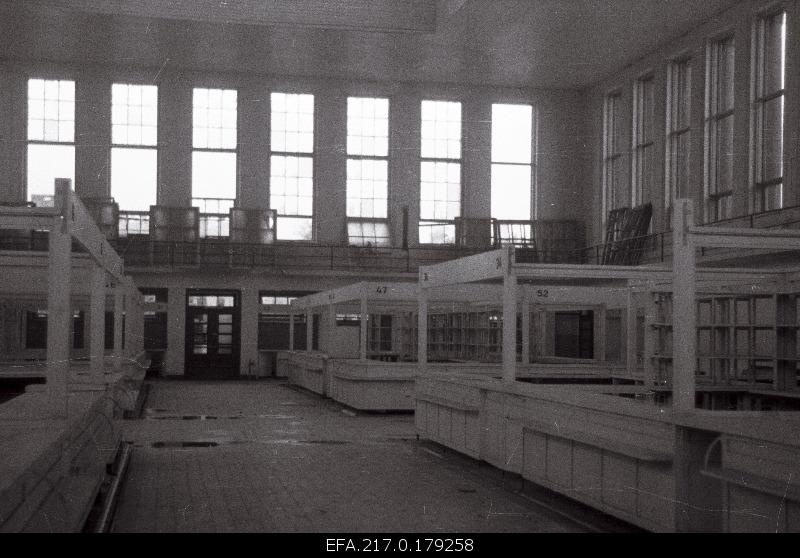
292,177
51,111
512,133
440,171
292,195
367,171
214,118
292,129
134,129
214,158
134,177
134,114
51,137
46,162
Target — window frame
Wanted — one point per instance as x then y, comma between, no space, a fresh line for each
219,218
612,152
512,225
426,159
28,142
299,155
360,220
678,90
642,159
713,116
132,215
759,98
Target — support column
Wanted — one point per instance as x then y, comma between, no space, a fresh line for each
684,328
526,330
59,314
330,337
175,142
119,302
630,334
176,331
309,330
601,335
97,322
422,330
291,331
93,130
248,336
509,328
649,340
362,351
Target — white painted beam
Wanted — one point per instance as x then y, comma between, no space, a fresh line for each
362,350
509,328
119,308
684,308
480,267
59,314
97,311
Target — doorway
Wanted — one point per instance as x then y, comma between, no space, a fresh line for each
212,334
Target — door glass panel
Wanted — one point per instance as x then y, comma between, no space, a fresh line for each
226,318
225,328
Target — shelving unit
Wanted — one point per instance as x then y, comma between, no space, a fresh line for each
742,340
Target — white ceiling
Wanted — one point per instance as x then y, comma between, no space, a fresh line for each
521,43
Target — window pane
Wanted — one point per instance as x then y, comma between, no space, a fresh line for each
45,164
440,190
214,118
292,123
134,114
51,110
213,174
774,53
512,128
441,130
134,177
294,228
724,155
368,233
367,126
367,188
511,192
437,233
725,67
292,185
772,138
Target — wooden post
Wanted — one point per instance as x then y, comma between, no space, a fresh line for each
684,328
291,331
309,330
526,330
362,353
601,335
422,330
630,334
509,327
97,318
59,314
118,310
649,333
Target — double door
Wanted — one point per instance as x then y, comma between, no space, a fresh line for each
212,335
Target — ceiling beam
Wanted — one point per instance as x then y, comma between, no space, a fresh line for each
400,16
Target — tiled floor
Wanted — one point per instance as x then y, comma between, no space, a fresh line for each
287,460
